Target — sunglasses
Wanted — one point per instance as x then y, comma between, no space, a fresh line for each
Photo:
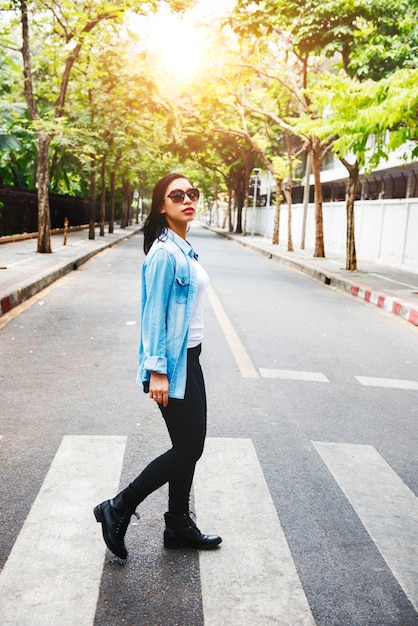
178,195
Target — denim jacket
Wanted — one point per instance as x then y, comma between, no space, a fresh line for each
169,287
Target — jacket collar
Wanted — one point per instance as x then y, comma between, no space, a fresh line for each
184,245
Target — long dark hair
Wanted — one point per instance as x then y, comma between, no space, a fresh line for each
156,223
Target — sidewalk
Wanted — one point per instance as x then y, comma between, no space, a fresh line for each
24,272
391,289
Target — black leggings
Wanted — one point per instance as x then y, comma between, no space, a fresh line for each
186,424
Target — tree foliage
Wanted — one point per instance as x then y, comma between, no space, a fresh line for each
56,40
281,76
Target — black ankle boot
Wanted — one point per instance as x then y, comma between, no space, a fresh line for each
114,515
182,532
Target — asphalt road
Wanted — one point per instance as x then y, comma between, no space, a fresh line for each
310,472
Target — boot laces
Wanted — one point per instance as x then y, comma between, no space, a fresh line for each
123,522
191,517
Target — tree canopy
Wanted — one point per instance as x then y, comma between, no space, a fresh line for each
82,90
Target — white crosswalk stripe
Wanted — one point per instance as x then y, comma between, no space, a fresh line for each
262,584
54,570
386,506
53,573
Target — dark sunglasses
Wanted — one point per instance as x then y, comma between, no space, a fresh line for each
178,195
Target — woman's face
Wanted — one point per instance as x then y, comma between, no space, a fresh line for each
179,214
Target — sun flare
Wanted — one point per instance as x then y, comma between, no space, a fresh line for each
177,43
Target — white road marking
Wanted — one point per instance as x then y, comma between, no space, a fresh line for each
293,375
251,580
9,265
387,382
385,505
244,362
397,282
53,573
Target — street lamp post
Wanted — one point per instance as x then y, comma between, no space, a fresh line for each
256,173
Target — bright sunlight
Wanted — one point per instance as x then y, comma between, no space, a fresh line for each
178,42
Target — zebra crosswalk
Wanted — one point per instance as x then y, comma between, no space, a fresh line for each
386,506
53,573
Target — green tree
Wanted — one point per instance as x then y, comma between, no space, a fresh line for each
201,134
359,37
283,64
53,42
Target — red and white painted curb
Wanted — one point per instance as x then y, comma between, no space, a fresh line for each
389,303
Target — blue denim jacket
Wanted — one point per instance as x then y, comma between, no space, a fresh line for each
169,287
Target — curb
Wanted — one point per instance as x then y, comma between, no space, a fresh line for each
396,306
388,303
20,295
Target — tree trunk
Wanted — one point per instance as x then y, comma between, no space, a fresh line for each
44,140
112,201
276,225
92,224
319,226
103,197
306,200
130,205
216,205
351,256
239,202
44,216
230,209
27,70
125,204
288,195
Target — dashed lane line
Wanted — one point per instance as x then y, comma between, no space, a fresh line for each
251,580
293,375
384,503
244,362
248,370
391,383
53,573
368,381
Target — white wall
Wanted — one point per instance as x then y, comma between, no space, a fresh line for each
386,230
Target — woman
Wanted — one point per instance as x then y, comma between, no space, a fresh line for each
173,283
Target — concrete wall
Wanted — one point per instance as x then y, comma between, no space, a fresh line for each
386,230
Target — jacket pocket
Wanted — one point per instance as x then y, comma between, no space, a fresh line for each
181,286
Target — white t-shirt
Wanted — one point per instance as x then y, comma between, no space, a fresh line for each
196,321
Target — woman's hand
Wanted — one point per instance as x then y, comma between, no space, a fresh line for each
158,388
